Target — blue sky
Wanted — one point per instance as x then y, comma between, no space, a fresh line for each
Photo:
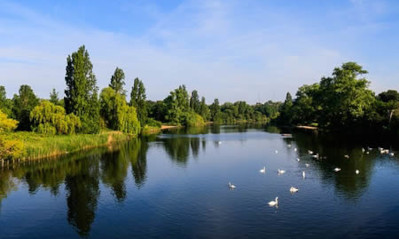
231,50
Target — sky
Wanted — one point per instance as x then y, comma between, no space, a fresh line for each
255,50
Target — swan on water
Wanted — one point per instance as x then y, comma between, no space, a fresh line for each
310,151
392,154
295,149
280,171
316,156
263,170
289,145
232,186
219,142
297,159
294,190
307,165
303,174
337,169
273,203
346,156
357,171
363,150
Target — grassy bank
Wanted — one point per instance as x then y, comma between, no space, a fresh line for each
36,146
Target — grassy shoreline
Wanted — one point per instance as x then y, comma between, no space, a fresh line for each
37,146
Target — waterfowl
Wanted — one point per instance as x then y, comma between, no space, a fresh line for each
263,170
280,171
295,149
346,156
357,171
337,169
303,174
297,159
289,145
293,190
273,203
276,151
232,186
307,165
392,154
310,151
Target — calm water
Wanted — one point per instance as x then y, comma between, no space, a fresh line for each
175,186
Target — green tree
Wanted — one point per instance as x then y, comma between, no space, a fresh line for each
345,98
116,113
194,102
177,104
204,109
48,118
23,105
306,106
5,104
118,81
286,110
138,100
215,112
54,97
81,97
7,124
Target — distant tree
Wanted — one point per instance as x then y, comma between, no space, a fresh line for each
138,100
306,106
389,103
54,97
118,81
204,109
177,104
5,104
81,97
23,105
157,110
286,110
215,112
194,102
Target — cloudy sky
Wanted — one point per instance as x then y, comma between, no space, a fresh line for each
231,50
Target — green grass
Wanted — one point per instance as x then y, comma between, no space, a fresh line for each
37,146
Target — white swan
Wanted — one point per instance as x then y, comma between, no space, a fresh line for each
303,174
346,156
276,151
280,171
357,171
316,156
263,170
232,186
307,165
310,151
337,169
363,150
294,190
295,149
297,159
392,154
273,203
289,145
219,142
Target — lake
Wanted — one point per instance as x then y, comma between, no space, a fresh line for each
175,185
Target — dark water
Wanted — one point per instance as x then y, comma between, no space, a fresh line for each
175,186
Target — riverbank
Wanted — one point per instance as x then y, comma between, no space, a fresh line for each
33,146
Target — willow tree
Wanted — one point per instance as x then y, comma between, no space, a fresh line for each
81,95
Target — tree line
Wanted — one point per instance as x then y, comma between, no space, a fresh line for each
86,110
342,102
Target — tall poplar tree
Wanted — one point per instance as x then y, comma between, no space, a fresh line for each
138,100
81,95
118,81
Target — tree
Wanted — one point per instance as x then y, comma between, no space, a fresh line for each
204,109
118,81
138,100
286,110
7,124
5,104
22,106
194,102
389,103
177,104
306,106
48,118
54,97
116,113
81,94
215,111
344,97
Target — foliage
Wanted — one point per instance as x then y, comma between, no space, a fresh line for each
54,97
118,81
192,119
177,104
81,93
48,118
23,105
116,113
138,100
10,149
157,110
6,124
5,104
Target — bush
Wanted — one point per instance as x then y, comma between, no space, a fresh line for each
11,149
193,119
153,123
7,124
